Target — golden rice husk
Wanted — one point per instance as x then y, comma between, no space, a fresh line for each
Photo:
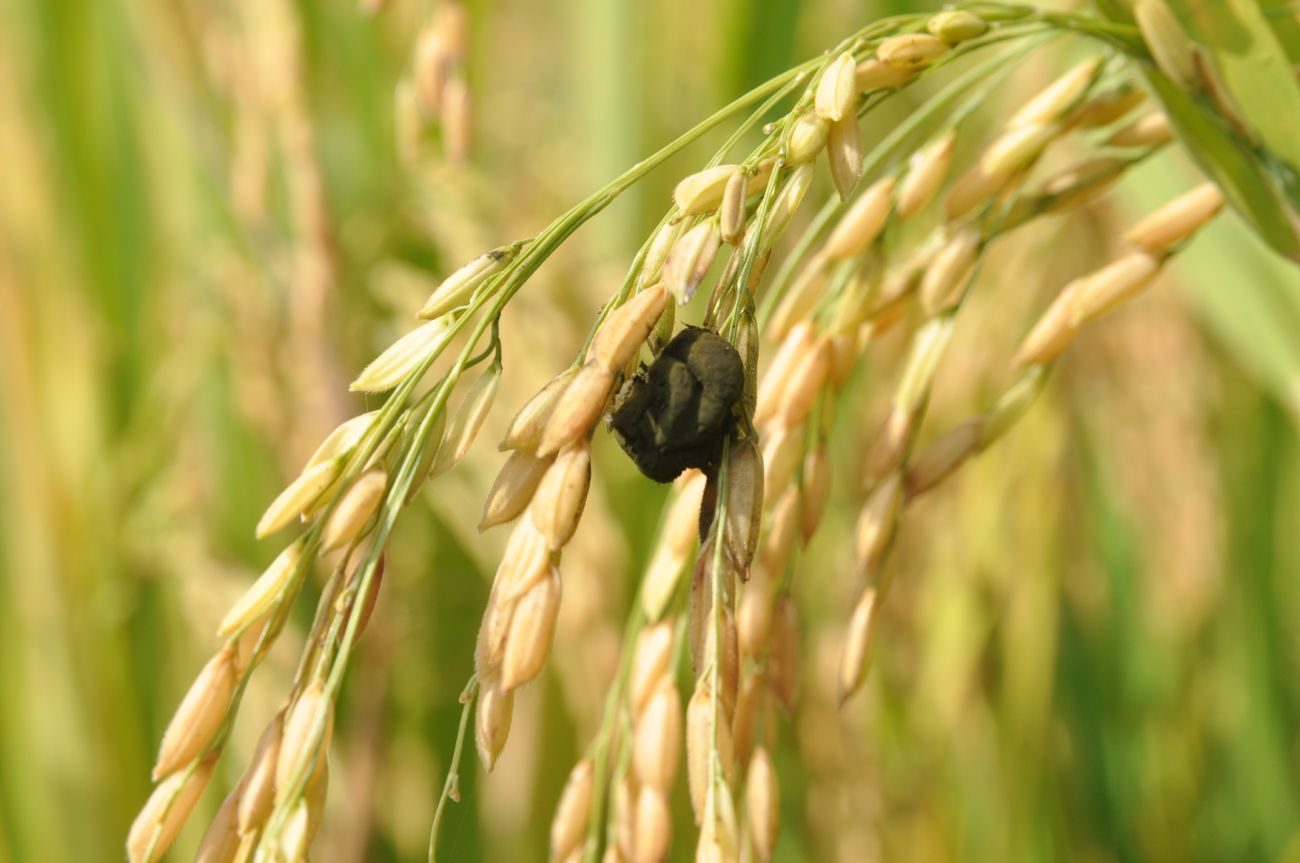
700,738
569,826
806,139
856,658
844,154
558,504
1168,42
874,74
199,714
1159,232
532,627
807,377
862,222
911,50
257,788
945,280
836,90
801,298
703,191
754,613
927,169
297,749
221,841
657,739
525,430
1051,335
650,664
731,211
1097,293
298,496
653,827
778,542
744,500
264,593
620,337
954,26
492,721
1149,130
463,428
762,799
783,661
747,710
578,409
513,488
402,357
782,447
690,259
876,524
525,560
354,511
165,812
1017,148
816,490
1059,98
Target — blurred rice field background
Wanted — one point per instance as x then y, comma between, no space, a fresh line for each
206,229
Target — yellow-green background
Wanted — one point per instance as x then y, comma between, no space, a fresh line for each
1092,653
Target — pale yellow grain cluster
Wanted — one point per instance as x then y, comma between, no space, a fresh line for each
656,708
545,480
569,825
289,771
1088,297
677,539
433,90
1025,136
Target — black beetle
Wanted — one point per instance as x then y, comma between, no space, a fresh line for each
675,414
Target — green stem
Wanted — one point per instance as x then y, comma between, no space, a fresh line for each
451,788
